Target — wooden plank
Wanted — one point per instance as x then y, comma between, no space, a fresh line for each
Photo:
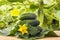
47,38
14,38
50,38
8,38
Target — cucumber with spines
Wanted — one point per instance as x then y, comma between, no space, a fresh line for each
34,23
28,16
30,22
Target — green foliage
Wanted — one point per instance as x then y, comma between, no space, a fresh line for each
2,25
8,31
52,34
58,14
33,7
46,12
16,1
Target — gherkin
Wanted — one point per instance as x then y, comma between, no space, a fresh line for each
28,16
30,22
33,30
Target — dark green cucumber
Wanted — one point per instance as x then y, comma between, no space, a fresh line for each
33,30
30,22
28,16
34,23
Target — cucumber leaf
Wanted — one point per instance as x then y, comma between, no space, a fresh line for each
16,1
8,31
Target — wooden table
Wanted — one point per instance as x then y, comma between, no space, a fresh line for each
14,38
47,38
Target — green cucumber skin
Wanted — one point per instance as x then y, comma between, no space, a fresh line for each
30,22
34,23
28,17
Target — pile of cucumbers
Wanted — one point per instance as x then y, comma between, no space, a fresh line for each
32,23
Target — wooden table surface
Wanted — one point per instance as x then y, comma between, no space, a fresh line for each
47,38
14,38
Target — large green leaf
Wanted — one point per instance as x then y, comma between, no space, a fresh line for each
58,15
52,34
33,7
8,31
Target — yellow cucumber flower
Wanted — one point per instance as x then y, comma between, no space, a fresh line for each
15,12
23,29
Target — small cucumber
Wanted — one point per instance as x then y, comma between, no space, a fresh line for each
34,23
31,22
27,16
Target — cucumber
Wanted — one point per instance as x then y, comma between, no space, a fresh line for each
30,22
28,16
34,23
33,30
